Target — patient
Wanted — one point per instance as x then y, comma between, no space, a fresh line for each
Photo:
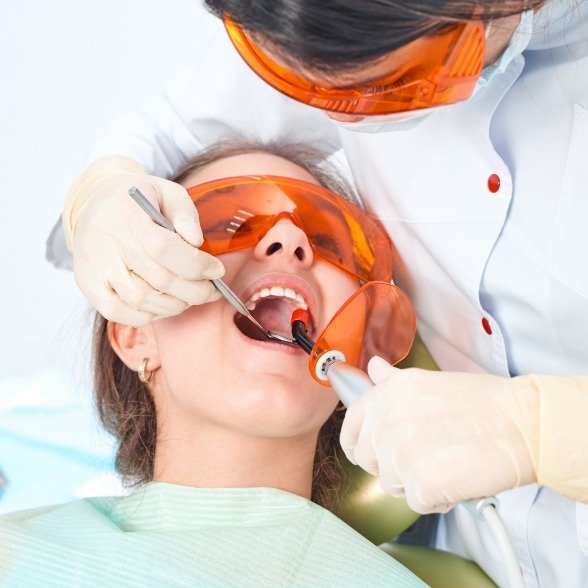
229,441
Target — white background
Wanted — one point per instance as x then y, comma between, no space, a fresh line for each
67,68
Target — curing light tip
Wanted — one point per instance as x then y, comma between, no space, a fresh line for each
299,323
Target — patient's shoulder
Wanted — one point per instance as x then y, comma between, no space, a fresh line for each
62,516
24,515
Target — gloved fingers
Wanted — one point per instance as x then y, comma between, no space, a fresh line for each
359,426
426,485
351,427
169,250
381,404
417,504
112,308
392,485
192,292
433,475
379,369
146,186
364,452
177,206
93,280
138,294
386,452
378,442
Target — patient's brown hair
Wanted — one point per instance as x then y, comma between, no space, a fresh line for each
126,406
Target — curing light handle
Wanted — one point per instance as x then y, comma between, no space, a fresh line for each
348,381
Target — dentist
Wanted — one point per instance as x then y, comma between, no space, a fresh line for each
473,154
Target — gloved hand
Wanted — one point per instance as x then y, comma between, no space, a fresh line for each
439,437
129,268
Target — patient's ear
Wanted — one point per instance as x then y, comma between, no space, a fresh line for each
134,344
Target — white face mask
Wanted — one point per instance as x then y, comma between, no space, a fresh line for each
405,121
389,122
518,43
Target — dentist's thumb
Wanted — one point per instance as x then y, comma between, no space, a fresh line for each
379,369
177,206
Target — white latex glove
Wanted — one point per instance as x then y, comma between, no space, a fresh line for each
440,437
128,267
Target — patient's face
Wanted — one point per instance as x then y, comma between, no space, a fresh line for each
212,370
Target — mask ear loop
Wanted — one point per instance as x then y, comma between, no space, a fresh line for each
488,27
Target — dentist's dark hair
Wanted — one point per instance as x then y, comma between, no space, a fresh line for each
333,36
125,405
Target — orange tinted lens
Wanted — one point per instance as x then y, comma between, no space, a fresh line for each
236,212
432,71
377,320
345,236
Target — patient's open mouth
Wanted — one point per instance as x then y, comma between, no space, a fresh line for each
272,307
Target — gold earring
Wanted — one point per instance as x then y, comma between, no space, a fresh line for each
143,373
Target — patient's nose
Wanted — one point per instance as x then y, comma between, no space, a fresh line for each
287,242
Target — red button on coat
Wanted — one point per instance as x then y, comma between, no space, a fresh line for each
486,325
494,183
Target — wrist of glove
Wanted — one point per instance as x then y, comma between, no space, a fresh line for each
130,269
86,186
438,438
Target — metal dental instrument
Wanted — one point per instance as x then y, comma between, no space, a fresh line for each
226,292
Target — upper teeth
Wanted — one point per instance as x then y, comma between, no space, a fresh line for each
276,291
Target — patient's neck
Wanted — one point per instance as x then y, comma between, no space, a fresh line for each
208,456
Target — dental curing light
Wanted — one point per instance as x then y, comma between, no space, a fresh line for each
348,381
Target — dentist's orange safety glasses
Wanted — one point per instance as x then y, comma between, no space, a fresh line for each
435,70
235,213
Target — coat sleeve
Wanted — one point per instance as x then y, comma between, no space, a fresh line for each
218,98
563,435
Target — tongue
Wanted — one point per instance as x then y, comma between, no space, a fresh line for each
274,314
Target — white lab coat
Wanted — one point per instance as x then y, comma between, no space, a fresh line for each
515,258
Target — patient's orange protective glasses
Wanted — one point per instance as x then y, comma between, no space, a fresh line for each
235,213
435,70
